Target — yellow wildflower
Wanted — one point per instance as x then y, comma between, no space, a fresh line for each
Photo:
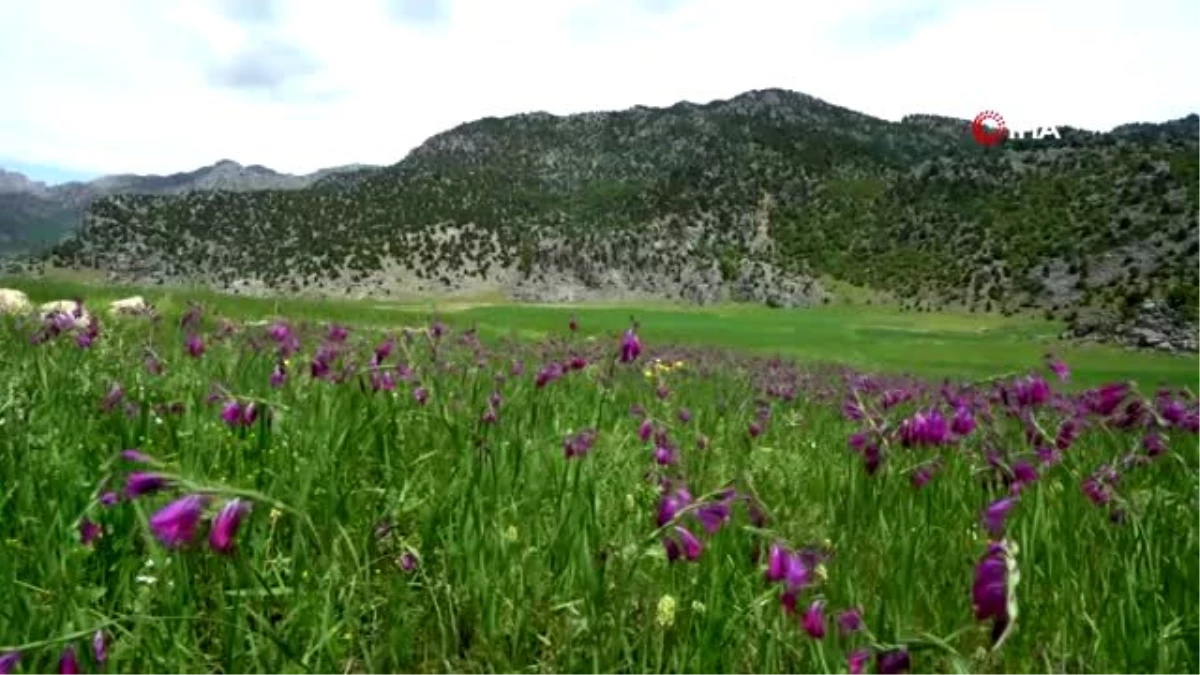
666,611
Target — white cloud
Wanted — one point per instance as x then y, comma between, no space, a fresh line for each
157,86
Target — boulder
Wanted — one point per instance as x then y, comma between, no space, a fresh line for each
68,308
132,305
13,301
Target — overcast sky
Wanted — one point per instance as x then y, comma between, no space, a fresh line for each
158,86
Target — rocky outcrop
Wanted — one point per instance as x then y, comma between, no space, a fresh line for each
1152,326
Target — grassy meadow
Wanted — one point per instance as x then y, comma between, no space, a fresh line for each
874,338
474,487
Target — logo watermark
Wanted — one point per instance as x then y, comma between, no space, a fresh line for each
989,129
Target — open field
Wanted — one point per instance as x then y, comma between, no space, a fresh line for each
307,498
972,346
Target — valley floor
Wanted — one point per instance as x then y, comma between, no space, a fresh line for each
935,344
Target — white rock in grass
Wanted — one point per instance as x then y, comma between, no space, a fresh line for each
13,301
67,307
131,305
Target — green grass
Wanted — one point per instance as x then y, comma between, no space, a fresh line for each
939,344
530,562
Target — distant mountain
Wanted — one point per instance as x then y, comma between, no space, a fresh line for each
762,197
34,215
12,182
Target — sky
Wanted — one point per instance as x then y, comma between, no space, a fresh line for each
160,86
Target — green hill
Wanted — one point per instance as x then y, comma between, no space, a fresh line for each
754,198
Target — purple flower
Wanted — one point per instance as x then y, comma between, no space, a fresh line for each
1060,369
851,410
579,444
713,515
195,345
872,458
814,620
88,532
791,569
109,498
665,455
153,365
857,441
548,374
407,561
68,663
894,397
235,413
777,561
923,474
232,413
684,415
683,543
9,661
671,504
1067,433
420,395
996,513
1096,491
99,647
225,525
850,620
383,351
141,483
383,380
1104,401
645,430
1023,473
856,662
320,366
1031,390
337,333
963,422
992,589
631,346
662,392
278,375
279,331
924,428
175,524
133,455
755,429
112,398
1153,444
1172,411
893,662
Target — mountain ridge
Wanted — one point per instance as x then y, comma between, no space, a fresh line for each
34,214
755,197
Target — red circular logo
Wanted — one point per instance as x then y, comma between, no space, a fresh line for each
985,136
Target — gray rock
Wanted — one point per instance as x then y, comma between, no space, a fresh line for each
1153,326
